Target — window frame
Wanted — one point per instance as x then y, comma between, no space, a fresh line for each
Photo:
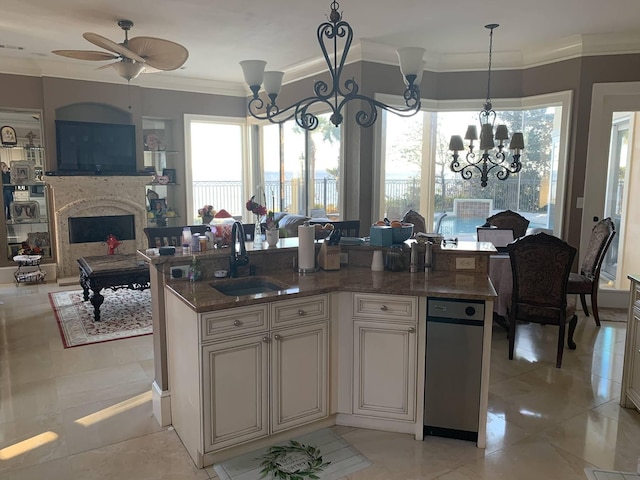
562,98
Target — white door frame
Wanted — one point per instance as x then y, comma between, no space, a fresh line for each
606,99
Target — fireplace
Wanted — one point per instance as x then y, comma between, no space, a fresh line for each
99,198
98,229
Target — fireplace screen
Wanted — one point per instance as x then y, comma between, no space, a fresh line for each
97,229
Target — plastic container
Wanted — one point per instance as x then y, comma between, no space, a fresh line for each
223,228
380,236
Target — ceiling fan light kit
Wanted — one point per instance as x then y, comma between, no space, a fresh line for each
133,56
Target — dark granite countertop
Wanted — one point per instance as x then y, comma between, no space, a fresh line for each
202,297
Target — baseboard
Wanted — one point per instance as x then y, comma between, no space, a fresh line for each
161,405
67,281
611,298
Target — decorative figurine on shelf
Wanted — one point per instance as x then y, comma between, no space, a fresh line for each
112,244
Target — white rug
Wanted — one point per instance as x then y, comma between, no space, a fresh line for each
124,313
322,454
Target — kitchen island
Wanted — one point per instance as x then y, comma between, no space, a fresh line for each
330,347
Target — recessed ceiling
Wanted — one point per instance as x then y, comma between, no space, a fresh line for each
220,34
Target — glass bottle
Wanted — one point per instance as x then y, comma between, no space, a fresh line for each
194,270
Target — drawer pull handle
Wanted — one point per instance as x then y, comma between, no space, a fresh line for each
301,313
277,337
237,323
412,330
384,308
265,339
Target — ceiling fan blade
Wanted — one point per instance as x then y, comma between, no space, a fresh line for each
112,46
86,54
159,53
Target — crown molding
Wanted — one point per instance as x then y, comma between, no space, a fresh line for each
159,80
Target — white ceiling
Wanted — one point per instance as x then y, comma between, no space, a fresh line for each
219,34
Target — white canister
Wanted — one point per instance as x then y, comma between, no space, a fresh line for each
377,264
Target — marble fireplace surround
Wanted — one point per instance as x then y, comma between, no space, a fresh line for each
94,196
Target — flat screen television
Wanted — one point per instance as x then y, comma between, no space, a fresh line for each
101,148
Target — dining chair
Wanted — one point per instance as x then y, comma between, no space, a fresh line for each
587,281
509,219
540,266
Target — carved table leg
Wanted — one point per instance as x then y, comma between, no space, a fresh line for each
96,301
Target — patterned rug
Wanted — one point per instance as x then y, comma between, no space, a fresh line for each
124,313
318,455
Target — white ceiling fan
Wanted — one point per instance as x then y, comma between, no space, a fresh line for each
133,56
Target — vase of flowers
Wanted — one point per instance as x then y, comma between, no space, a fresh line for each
206,213
259,211
271,229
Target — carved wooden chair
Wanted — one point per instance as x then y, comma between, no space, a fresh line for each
509,219
540,266
170,236
586,282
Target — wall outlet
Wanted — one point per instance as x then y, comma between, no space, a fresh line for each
465,263
344,258
183,268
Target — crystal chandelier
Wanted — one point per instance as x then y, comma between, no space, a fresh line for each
334,94
487,160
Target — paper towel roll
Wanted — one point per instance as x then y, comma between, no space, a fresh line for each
306,247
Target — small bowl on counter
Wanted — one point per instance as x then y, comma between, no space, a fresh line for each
220,273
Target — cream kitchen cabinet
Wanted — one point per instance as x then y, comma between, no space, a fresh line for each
630,397
263,369
385,356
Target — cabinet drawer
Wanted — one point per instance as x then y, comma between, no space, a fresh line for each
636,294
394,308
234,321
301,310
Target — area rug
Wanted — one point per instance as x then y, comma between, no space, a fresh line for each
124,313
319,455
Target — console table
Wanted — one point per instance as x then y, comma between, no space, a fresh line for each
111,271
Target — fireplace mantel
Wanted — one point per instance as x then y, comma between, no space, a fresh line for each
84,196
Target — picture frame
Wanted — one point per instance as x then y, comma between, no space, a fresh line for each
40,240
170,173
8,136
22,171
25,211
158,205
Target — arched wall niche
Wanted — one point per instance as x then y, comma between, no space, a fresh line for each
93,112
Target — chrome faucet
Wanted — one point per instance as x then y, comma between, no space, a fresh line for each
240,258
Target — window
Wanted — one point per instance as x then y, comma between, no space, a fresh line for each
302,169
415,173
215,155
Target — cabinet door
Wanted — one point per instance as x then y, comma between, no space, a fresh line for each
299,365
384,367
634,357
236,391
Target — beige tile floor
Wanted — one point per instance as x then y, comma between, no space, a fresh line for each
85,413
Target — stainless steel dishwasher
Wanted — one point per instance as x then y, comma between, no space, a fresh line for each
453,368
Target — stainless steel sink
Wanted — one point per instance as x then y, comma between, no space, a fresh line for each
238,287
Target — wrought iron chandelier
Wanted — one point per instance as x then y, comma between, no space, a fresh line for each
487,160
334,94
